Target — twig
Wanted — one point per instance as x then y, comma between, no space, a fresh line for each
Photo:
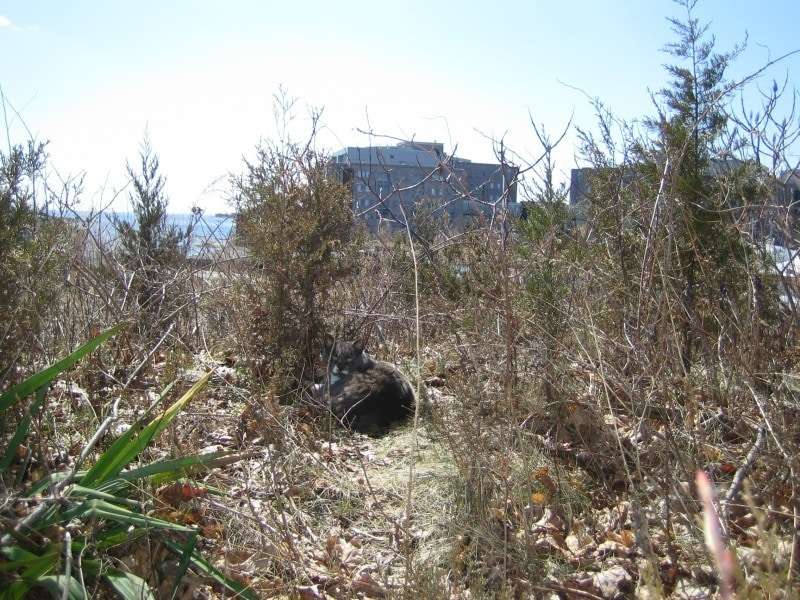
90,445
414,435
741,473
67,565
149,354
563,589
795,499
416,332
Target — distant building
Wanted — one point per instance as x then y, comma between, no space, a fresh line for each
580,186
768,220
789,200
410,174
580,191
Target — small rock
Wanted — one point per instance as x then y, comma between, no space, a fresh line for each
690,590
73,390
120,427
225,374
579,544
190,375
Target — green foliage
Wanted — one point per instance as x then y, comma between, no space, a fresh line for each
151,241
31,251
667,216
296,222
709,246
101,496
44,377
548,253
151,247
544,244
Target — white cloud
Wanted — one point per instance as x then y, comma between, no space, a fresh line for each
6,23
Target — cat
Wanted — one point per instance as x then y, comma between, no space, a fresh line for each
363,394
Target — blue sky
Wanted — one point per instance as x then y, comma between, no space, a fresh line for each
91,76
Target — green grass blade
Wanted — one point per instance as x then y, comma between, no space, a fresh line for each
55,585
100,509
18,557
16,591
113,460
50,516
121,455
129,586
178,467
161,422
186,557
45,482
206,568
44,377
22,429
108,461
34,566
118,536
78,491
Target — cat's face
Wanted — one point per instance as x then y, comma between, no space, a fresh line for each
344,357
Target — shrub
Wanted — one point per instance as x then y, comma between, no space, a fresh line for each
31,252
151,248
295,220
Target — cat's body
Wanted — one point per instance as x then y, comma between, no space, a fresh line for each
364,394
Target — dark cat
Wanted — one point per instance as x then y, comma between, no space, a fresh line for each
364,394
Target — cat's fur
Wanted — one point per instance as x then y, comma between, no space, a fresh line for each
364,394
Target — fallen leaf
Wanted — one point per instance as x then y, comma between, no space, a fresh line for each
364,584
624,537
539,498
176,493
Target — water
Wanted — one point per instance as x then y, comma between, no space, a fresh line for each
210,231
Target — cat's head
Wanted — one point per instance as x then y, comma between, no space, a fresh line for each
344,357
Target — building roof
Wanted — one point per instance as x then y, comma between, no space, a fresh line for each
791,177
392,156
